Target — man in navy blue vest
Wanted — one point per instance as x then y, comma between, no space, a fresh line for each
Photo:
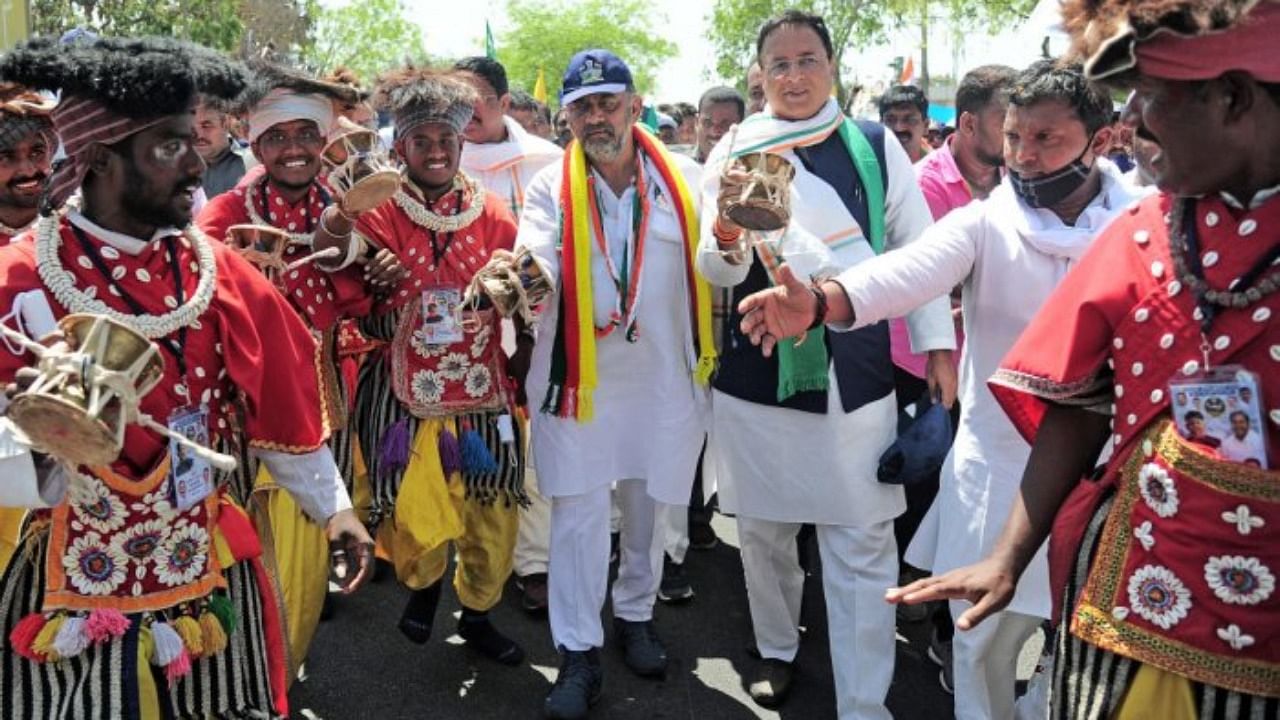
796,437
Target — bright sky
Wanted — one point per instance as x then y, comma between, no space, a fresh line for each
455,28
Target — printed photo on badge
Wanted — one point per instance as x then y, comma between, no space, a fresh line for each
441,312
191,477
1221,411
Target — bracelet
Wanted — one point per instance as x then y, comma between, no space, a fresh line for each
325,226
723,235
820,312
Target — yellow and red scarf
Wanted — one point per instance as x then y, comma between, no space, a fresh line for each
573,357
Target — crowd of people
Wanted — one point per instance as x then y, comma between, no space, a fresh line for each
1010,376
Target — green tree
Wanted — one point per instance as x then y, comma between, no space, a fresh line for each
215,23
368,36
853,24
546,33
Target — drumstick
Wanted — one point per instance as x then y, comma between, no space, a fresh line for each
321,255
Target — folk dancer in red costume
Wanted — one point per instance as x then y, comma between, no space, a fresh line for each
291,117
1165,562
123,572
27,142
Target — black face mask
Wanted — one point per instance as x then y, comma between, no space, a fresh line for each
1045,191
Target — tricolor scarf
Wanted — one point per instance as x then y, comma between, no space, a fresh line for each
804,367
573,357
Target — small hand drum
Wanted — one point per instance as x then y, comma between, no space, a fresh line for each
77,412
360,172
513,282
765,202
263,246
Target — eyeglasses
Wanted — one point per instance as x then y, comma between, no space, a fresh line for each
278,140
585,106
805,65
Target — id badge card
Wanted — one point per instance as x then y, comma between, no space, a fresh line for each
442,315
190,476
1222,410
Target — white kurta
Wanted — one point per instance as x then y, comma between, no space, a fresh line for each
650,414
1008,258
786,465
506,168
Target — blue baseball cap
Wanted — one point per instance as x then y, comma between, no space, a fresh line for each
594,71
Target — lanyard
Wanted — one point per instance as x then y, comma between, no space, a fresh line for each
1190,236
438,251
626,282
177,349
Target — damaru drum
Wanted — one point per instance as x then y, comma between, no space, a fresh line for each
359,169
765,200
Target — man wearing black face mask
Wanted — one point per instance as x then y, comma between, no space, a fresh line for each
1007,253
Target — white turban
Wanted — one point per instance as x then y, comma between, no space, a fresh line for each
282,106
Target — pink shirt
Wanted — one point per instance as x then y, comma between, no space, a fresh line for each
945,189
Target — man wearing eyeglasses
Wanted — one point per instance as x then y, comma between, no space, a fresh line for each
623,352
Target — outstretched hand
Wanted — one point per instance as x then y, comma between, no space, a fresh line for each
989,585
783,311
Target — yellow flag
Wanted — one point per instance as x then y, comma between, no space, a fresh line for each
540,88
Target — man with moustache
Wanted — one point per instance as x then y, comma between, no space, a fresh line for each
797,439
504,158
1007,253
623,352
755,89
905,110
719,109
225,163
532,114
27,144
120,601
1163,559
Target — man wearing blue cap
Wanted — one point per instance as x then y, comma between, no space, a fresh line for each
620,363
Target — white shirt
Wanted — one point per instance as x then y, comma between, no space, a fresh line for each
650,414
1008,258
1248,448
786,465
506,168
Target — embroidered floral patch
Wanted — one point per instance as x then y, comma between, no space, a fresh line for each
1157,595
94,567
454,366
95,506
1244,519
1239,580
428,386
182,558
141,540
1158,490
478,381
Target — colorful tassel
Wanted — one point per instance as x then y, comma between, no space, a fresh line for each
168,645
476,457
393,451
178,668
192,636
104,624
450,452
214,640
72,639
43,643
220,605
23,636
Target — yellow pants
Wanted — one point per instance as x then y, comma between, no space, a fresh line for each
300,557
1156,694
432,511
10,532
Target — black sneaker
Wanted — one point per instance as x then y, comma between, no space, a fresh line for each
419,613
771,682
940,653
578,686
481,635
675,587
642,650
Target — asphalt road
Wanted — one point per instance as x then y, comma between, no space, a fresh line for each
361,668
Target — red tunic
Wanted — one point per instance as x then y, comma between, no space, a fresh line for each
1183,578
322,298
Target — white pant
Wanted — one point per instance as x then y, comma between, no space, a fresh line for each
985,663
534,533
673,523
579,570
858,565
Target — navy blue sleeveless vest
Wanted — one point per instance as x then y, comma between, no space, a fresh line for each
863,365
